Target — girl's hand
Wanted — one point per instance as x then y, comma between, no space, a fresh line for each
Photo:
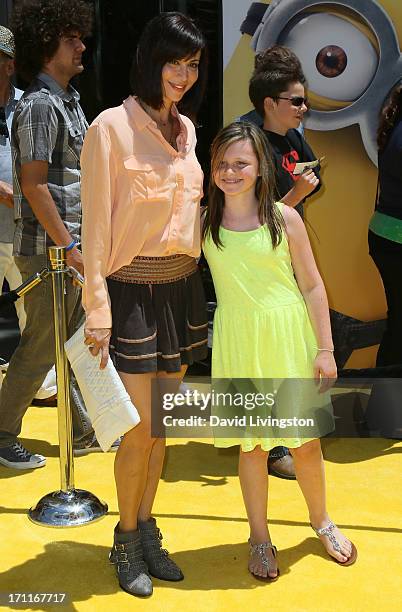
98,340
325,371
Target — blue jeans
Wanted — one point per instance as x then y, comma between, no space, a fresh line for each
35,354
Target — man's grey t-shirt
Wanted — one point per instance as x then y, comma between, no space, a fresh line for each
49,125
7,224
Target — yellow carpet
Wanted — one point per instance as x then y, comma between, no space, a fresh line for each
200,512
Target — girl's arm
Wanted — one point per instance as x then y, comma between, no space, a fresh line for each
313,291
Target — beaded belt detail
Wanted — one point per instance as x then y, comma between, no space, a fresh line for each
156,270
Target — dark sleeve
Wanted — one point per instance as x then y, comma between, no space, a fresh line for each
306,153
253,117
393,152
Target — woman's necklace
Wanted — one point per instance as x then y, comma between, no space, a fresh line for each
166,128
168,132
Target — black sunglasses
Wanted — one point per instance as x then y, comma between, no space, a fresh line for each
296,100
3,123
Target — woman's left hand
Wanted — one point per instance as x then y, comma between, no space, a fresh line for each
98,340
325,371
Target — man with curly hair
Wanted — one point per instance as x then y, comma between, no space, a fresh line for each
47,135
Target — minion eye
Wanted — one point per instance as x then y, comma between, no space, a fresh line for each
331,61
338,59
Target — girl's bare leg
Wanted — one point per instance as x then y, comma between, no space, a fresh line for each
253,477
309,467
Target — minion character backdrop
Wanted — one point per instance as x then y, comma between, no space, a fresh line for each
350,53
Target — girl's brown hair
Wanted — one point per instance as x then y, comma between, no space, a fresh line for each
268,213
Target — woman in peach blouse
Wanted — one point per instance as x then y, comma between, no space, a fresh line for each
143,297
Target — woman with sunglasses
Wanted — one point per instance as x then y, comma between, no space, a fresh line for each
143,295
278,95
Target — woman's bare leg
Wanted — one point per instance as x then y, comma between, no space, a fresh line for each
157,455
253,477
310,473
132,459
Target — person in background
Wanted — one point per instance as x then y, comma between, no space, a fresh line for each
47,136
277,91
385,229
9,96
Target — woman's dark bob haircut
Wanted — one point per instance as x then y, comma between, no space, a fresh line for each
167,37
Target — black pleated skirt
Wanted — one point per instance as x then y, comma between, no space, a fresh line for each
158,327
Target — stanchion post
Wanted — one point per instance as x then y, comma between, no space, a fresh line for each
57,259
68,507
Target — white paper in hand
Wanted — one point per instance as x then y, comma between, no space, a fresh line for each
301,167
109,406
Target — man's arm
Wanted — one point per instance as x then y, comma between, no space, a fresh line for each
6,194
34,176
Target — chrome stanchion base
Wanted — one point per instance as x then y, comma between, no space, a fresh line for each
67,509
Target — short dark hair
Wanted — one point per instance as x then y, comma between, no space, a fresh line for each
278,57
275,69
167,37
38,26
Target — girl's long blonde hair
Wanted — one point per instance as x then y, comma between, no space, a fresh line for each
268,213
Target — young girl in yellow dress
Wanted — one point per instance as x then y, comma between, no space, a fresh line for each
271,322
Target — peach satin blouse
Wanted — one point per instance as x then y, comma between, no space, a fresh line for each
139,197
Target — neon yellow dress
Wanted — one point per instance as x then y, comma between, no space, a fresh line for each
261,325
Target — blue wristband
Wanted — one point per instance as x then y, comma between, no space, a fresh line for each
71,245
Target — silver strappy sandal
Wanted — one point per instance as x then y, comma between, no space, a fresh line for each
328,531
261,550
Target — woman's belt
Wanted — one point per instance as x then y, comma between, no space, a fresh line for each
156,270
386,226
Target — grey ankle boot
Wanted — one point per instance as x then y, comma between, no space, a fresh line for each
157,558
131,570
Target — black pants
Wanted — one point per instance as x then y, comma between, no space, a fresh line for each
387,256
